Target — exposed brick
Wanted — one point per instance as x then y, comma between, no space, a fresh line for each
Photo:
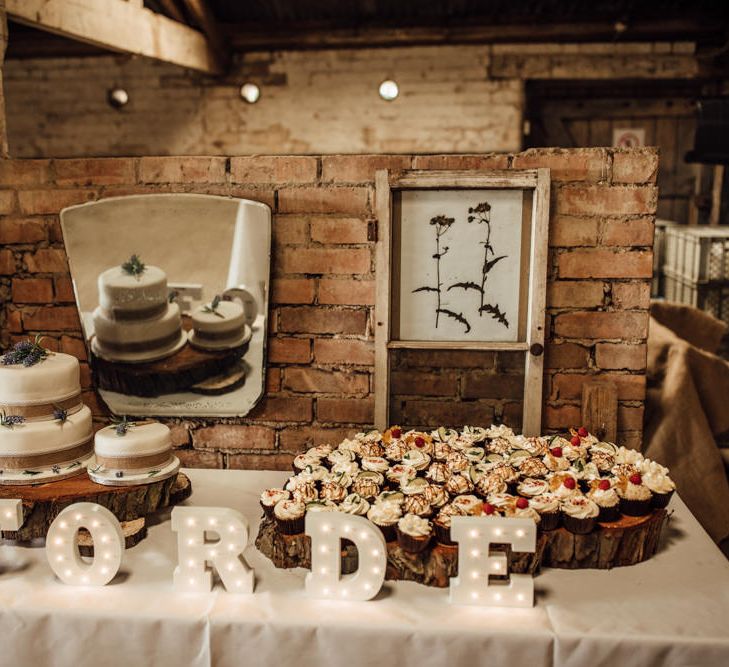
301,438
347,292
227,437
23,172
339,230
566,231
569,386
94,171
39,202
8,265
7,202
638,232
630,439
59,318
574,294
620,355
97,407
199,458
360,168
22,231
343,351
63,290
319,320
280,461
566,355
180,434
289,350
631,295
602,325
587,164
46,260
329,260
182,170
444,359
635,167
630,417
600,263
264,195
292,290
596,200
346,410
509,361
561,417
84,373
32,290
74,346
410,383
512,415
324,200
283,409
273,380
493,161
290,229
14,321
491,385
273,169
440,412
312,380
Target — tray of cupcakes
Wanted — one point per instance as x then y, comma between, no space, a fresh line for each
596,504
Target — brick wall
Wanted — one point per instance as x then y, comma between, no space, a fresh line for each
321,343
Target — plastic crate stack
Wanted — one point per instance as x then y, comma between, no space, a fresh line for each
696,269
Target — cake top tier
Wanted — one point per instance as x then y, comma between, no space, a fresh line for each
225,316
54,378
124,292
139,439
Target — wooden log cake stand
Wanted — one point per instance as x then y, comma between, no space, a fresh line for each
130,504
626,542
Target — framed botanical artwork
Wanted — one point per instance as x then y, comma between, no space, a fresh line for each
462,264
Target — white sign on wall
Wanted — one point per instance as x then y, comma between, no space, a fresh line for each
628,137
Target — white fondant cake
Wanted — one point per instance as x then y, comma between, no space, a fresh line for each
134,321
140,452
45,430
219,326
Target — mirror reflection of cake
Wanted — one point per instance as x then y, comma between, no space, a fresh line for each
45,429
134,321
219,325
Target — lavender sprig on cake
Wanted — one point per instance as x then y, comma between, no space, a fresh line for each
11,420
26,352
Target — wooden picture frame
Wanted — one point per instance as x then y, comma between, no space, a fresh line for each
535,184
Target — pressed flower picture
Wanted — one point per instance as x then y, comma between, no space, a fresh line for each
460,257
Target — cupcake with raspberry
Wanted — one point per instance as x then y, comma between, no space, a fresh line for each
289,516
660,485
385,516
564,485
606,498
413,533
555,460
270,497
635,497
549,507
579,514
522,509
421,442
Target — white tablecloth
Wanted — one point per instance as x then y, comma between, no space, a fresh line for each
671,610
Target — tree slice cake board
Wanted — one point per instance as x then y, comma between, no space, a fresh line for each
629,541
43,502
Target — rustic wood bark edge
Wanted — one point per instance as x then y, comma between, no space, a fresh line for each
42,503
612,545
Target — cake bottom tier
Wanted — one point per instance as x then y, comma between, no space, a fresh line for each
626,542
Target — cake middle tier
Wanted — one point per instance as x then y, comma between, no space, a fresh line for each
147,335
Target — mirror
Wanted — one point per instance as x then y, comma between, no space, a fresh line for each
172,290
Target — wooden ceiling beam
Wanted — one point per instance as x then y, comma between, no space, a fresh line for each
120,26
202,15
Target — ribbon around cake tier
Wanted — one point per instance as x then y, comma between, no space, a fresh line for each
218,335
142,346
74,452
133,462
125,314
44,411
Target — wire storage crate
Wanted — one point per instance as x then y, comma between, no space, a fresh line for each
697,254
710,297
659,255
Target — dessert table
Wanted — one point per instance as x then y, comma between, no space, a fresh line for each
670,610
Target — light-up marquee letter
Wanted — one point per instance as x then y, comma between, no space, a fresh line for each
62,545
325,580
11,514
193,525
475,535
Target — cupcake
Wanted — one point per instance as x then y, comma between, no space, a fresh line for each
341,456
375,463
417,504
270,497
474,454
354,504
501,501
421,442
522,509
438,473
603,459
530,487
413,533
532,466
457,462
579,514
321,506
504,470
436,495
606,498
385,516
417,459
555,460
320,451
660,485
289,515
441,451
468,504
442,523
564,485
401,473
371,449
548,506
391,497
489,484
365,487
635,497
499,445
414,486
333,491
458,484
306,492
303,460
396,450
349,467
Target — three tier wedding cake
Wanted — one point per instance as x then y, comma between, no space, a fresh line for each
45,429
134,321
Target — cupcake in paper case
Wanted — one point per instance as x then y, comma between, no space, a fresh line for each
436,495
532,466
458,484
635,497
501,501
333,491
375,463
579,514
522,509
442,523
438,473
354,504
367,487
397,497
414,486
289,515
468,504
606,498
396,450
417,504
548,506
270,497
489,484
385,516
401,473
531,487
301,461
660,485
306,492
413,533
373,449
417,459
564,485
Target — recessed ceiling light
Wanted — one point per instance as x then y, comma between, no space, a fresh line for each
117,97
389,90
250,92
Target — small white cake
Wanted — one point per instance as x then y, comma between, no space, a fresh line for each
133,453
134,321
219,325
